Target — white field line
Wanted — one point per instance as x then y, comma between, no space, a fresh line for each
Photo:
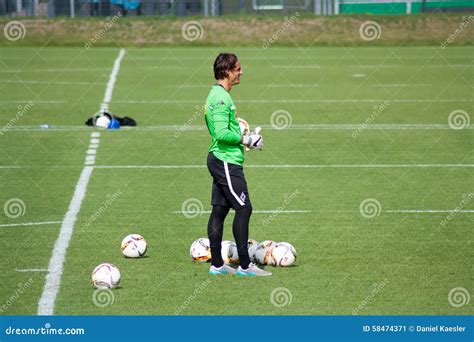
177,58
398,211
401,85
253,211
56,263
416,211
32,101
31,270
49,82
295,166
90,160
325,101
390,66
68,70
302,127
29,224
112,79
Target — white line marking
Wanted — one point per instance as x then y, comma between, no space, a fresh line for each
112,79
56,263
49,82
32,101
94,146
294,166
388,85
91,151
292,85
326,101
412,211
95,141
29,224
253,211
309,127
65,70
32,270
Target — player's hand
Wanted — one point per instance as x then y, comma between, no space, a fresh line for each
254,140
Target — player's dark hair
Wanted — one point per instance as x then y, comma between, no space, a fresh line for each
223,63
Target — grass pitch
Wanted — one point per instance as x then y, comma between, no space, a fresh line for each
361,119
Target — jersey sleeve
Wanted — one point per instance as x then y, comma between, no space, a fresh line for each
221,117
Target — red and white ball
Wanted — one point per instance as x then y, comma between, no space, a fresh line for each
283,254
263,253
200,250
252,248
133,246
106,276
229,252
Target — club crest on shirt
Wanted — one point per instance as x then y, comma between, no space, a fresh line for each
243,197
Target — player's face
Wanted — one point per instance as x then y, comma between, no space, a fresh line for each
234,74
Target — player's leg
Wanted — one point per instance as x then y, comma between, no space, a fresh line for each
240,229
215,229
237,195
215,226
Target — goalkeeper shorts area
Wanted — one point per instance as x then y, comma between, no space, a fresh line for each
229,187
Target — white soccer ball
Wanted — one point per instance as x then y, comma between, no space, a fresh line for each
229,252
200,250
252,247
263,253
106,276
133,246
290,246
102,121
283,254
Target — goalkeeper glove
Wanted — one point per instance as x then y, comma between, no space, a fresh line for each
254,140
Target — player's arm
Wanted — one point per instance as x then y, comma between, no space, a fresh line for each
220,116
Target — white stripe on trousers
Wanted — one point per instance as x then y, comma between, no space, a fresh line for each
227,175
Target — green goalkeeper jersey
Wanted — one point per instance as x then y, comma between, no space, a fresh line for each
223,126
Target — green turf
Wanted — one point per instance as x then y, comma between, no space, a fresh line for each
342,256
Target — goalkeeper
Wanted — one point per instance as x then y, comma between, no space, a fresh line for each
225,160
